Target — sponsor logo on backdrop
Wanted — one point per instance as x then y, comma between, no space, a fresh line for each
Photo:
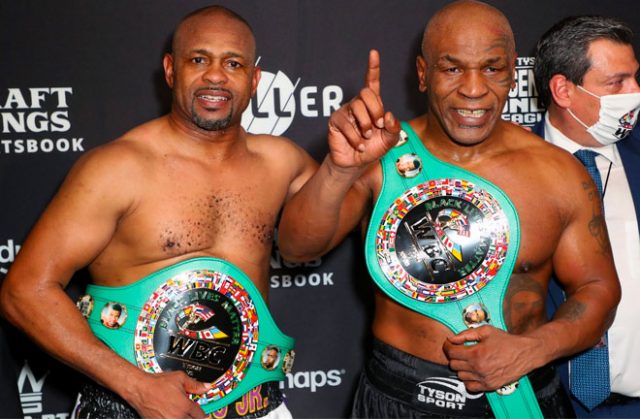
279,99
36,120
30,388
296,275
8,252
315,279
312,380
522,106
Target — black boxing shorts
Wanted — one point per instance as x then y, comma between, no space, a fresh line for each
395,384
96,402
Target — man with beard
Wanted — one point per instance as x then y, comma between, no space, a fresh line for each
523,210
164,210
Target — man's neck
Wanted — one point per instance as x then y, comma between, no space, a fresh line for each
218,145
569,127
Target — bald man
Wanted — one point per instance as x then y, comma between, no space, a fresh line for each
492,212
177,232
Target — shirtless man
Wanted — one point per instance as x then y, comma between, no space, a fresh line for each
466,69
190,184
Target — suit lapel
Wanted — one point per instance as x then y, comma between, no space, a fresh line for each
630,154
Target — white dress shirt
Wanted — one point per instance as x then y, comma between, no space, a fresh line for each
620,216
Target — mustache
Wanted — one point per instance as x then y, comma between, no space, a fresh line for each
214,89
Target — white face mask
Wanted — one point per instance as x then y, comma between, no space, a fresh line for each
618,116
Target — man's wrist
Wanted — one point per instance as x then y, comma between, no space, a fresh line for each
343,173
540,350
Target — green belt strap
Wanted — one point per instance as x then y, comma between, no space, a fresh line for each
398,196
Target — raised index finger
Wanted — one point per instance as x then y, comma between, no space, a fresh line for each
372,79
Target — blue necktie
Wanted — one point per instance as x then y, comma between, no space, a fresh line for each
589,373
588,160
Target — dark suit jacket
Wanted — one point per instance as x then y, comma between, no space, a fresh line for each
629,149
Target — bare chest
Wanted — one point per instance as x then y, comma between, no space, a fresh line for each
231,217
206,220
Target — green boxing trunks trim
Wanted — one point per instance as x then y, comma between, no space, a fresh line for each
443,242
203,316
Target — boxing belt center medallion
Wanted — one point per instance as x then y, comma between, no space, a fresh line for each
442,240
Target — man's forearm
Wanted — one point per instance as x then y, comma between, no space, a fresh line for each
52,320
310,221
578,324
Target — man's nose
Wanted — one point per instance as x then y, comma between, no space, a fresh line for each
473,84
634,87
215,74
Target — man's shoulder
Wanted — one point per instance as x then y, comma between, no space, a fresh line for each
117,153
124,157
277,148
531,145
543,170
267,142
139,141
283,159
541,158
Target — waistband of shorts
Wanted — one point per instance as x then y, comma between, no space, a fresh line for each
98,401
257,403
397,372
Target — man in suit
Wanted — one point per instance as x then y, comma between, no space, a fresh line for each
586,73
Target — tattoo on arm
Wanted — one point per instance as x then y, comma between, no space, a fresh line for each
523,305
570,310
597,226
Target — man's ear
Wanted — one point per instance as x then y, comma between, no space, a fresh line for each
421,67
561,90
167,63
257,73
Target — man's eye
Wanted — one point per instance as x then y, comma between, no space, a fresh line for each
615,84
494,69
234,64
452,70
197,60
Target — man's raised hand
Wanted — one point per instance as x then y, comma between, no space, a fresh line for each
360,132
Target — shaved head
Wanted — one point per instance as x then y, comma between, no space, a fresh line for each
467,68
466,14
189,24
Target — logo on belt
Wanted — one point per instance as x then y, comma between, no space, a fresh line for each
442,240
202,322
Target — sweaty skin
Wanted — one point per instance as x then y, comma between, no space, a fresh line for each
191,183
466,69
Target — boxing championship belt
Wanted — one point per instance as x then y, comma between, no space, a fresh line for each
203,316
443,242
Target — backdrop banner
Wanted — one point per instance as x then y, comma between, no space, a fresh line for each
77,74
